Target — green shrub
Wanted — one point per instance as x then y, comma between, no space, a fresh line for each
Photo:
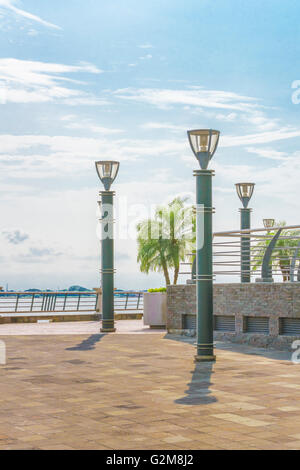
160,289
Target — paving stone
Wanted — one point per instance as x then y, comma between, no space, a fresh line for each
67,396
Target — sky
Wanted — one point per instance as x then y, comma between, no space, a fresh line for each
87,80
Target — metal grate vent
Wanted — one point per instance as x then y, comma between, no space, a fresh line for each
257,325
189,322
289,326
224,323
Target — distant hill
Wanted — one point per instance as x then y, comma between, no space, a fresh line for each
78,289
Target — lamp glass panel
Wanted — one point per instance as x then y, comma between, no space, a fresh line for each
200,140
114,170
245,189
269,223
107,168
214,142
204,140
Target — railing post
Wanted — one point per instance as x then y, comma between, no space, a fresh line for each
17,303
293,263
32,302
266,270
43,302
54,302
65,301
98,292
138,301
78,303
46,306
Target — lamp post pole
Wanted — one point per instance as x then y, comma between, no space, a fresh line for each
204,143
204,264
107,172
107,262
245,245
245,192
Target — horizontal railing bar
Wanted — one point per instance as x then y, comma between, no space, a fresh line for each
273,229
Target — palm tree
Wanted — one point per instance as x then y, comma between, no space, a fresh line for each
165,240
282,253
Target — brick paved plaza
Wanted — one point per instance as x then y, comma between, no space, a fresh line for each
142,391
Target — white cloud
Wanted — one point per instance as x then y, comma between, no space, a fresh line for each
247,110
15,237
164,126
9,5
45,156
146,57
145,46
227,117
259,138
236,140
24,81
268,153
73,122
195,96
261,121
277,187
32,32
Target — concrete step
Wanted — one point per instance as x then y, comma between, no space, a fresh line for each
62,317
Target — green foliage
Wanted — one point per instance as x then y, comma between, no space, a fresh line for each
165,240
159,289
282,253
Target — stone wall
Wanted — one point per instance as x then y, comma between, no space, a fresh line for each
275,301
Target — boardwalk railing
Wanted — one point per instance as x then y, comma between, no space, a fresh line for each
272,252
35,302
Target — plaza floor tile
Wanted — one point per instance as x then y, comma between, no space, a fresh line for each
143,391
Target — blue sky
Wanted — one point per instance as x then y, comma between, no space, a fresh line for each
87,80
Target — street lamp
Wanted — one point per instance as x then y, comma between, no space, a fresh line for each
107,172
269,223
204,143
245,191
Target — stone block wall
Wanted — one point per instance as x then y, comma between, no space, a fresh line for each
275,301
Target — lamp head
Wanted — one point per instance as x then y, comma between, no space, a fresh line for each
269,223
245,191
107,172
204,143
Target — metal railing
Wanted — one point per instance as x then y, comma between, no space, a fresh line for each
129,301
269,254
60,302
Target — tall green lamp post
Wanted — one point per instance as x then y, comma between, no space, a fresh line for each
204,143
245,191
107,172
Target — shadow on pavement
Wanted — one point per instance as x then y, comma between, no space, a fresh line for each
88,344
269,353
199,392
